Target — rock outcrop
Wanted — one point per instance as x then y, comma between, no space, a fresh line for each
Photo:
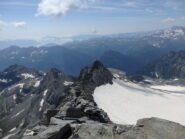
151,128
79,103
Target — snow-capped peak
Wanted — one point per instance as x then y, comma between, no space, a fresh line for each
173,33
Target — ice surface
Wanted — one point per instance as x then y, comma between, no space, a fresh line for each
126,102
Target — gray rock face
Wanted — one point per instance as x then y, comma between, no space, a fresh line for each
97,74
54,81
55,132
79,103
23,104
152,128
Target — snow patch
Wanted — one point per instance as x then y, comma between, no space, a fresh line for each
8,136
22,123
17,114
156,74
26,75
37,83
12,130
14,97
21,85
39,52
66,83
156,45
116,75
28,132
41,104
179,32
168,87
1,92
126,102
45,92
147,80
42,101
4,80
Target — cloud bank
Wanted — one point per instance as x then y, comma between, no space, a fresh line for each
19,24
13,24
59,7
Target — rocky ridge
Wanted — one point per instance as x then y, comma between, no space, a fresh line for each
78,116
62,107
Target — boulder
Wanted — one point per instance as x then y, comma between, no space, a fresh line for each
151,128
47,116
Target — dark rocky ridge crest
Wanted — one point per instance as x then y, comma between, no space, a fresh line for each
97,74
92,77
80,103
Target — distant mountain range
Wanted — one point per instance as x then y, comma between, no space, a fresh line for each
169,66
127,52
153,37
44,58
45,41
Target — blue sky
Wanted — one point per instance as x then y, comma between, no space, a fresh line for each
34,19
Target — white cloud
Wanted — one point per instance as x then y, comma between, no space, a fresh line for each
168,20
19,24
59,7
14,24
